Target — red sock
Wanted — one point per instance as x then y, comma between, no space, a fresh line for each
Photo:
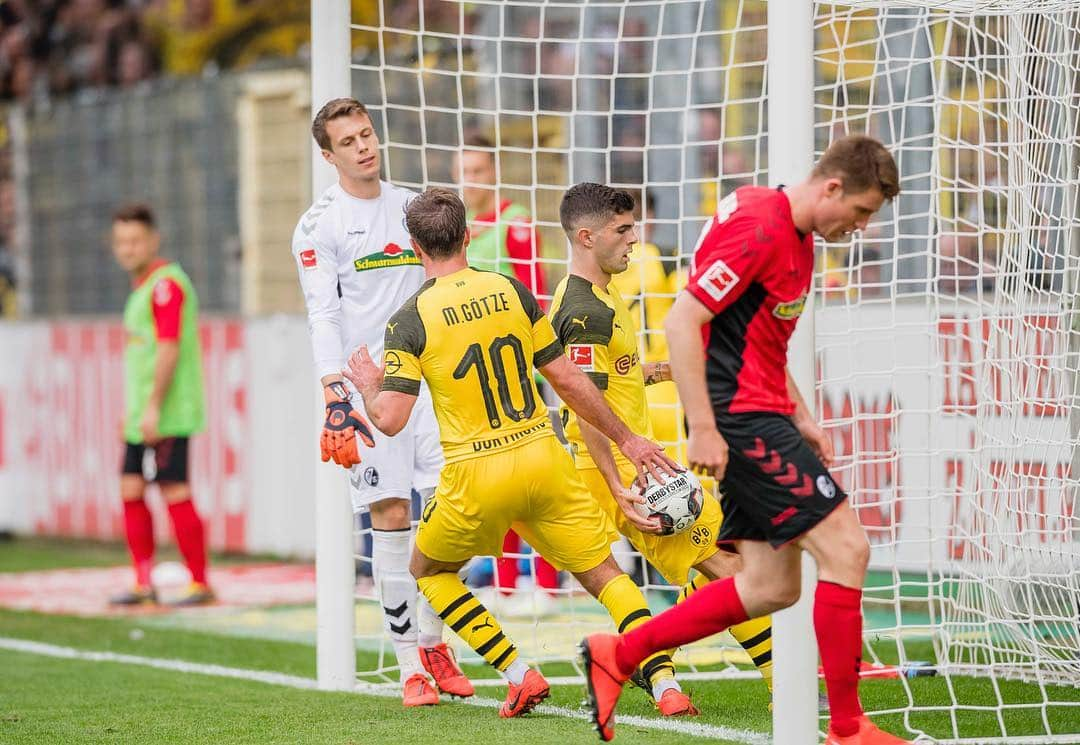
508,568
188,529
546,575
710,610
139,529
838,627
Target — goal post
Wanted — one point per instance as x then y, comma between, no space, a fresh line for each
790,43
334,567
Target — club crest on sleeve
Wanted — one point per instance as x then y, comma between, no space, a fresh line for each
162,293
392,363
718,280
520,230
308,259
581,355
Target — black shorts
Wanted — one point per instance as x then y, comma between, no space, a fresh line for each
775,487
170,460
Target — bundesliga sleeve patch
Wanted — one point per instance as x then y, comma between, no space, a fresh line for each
718,280
307,258
582,356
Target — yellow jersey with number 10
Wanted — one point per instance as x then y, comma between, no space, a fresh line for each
475,337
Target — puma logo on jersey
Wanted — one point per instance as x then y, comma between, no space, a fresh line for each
580,321
391,326
487,624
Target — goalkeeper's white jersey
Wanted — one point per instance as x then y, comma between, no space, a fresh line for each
356,268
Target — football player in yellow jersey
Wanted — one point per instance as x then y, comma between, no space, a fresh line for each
647,290
595,326
475,338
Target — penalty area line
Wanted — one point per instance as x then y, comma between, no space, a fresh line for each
683,727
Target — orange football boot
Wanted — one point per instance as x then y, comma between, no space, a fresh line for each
418,691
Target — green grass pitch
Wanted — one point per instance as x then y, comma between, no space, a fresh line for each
45,699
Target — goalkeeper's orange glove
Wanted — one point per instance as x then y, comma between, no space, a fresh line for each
342,426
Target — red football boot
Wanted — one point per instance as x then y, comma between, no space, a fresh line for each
521,699
440,663
868,734
603,679
673,703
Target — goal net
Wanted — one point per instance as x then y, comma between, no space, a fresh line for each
947,335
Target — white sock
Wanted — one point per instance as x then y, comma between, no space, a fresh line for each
515,673
397,593
431,626
664,684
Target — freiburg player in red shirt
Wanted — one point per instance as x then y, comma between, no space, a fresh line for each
749,428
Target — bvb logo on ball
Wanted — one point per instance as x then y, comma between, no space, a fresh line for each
676,501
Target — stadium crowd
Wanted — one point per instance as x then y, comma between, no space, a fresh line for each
51,48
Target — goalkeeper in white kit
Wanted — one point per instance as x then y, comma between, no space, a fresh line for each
356,268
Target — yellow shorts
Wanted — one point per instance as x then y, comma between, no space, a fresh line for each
666,416
672,555
534,489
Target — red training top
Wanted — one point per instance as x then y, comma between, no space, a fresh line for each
167,302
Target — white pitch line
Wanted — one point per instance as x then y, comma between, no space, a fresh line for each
693,729
577,680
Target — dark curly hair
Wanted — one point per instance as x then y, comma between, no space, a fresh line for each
589,201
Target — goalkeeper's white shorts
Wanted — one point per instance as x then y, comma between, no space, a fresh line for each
411,459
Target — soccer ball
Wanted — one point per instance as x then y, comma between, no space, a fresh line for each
676,501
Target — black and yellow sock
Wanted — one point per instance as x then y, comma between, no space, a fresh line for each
755,635
628,609
468,618
699,581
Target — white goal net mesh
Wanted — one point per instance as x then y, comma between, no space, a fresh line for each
947,333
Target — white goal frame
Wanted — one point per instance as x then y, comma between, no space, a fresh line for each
790,105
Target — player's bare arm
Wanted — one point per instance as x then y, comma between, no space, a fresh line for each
706,449
600,450
168,353
812,432
581,395
389,410
655,372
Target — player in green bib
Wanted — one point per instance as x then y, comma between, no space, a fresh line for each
163,395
